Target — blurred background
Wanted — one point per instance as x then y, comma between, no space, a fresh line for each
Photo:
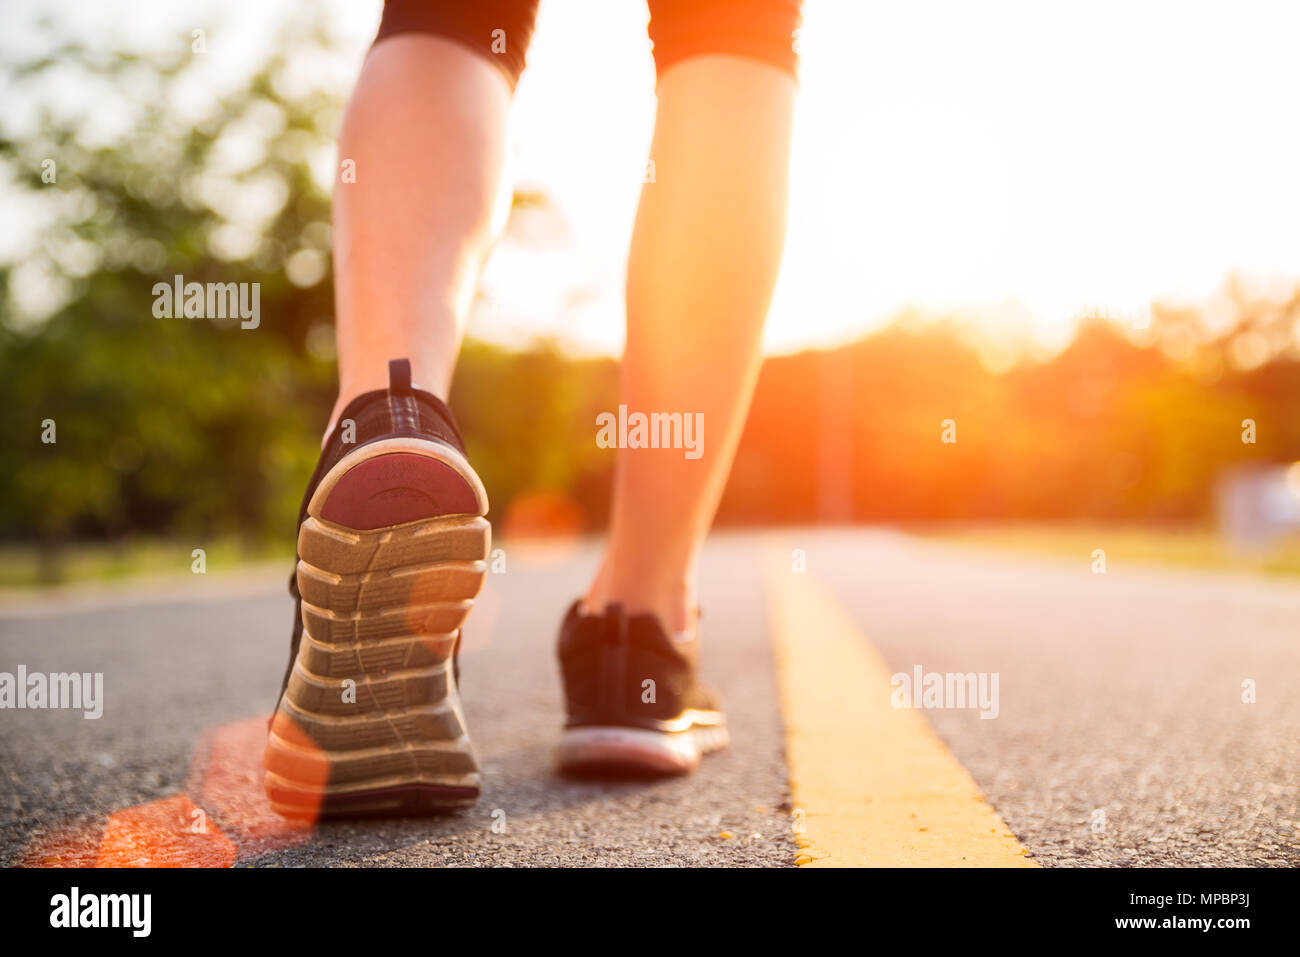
1080,248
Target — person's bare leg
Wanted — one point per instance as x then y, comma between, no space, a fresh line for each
703,263
425,134
426,129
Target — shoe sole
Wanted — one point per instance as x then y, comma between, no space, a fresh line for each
391,557
615,750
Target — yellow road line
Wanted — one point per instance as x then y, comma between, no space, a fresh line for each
874,786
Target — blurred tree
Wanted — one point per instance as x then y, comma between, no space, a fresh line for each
182,425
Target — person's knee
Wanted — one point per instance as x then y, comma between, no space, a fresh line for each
499,30
761,30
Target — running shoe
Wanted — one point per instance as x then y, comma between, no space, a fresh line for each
635,706
392,548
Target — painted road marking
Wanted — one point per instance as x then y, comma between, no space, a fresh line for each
874,786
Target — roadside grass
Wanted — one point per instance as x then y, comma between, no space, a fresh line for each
24,567
1184,546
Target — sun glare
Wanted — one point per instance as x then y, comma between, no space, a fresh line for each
1131,154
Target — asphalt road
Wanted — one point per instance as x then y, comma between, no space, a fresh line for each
1119,693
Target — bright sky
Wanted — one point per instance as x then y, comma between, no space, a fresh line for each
1012,160
1022,161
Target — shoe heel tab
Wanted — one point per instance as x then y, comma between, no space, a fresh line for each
399,377
616,616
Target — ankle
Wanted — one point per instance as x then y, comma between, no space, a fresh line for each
424,378
674,605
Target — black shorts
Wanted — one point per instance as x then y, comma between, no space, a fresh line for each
500,30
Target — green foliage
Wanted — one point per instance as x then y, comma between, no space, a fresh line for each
529,420
162,424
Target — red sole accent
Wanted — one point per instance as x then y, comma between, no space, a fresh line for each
397,488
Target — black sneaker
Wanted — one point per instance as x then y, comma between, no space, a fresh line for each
634,704
392,543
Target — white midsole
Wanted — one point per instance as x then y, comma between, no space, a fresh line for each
600,743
